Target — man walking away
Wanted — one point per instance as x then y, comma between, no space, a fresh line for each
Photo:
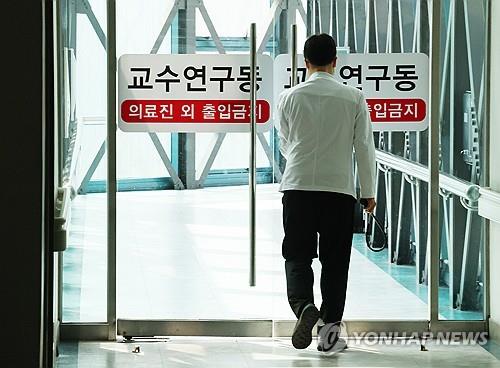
320,122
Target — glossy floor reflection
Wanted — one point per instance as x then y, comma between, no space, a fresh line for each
249,352
185,255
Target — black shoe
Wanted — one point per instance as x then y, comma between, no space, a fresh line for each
302,333
329,339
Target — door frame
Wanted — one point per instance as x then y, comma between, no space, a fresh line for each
265,327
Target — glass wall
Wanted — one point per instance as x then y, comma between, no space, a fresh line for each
389,284
463,134
82,130
184,254
403,26
169,242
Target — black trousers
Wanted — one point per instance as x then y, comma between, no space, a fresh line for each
305,215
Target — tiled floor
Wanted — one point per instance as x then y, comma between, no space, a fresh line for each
250,352
184,255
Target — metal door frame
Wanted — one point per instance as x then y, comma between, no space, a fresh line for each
266,327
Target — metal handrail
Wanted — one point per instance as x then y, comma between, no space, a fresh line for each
447,182
490,194
490,197
489,204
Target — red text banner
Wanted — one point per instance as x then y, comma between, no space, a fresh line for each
193,111
396,109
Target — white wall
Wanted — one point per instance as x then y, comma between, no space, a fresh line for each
494,172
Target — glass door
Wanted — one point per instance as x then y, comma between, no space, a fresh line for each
183,254
387,288
182,236
183,198
82,79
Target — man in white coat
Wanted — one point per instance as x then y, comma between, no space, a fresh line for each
320,123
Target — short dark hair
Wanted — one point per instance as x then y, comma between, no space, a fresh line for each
320,49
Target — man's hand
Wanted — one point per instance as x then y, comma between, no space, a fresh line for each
370,205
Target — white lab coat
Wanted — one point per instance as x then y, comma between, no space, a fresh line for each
319,123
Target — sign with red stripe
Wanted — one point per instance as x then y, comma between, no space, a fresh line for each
192,93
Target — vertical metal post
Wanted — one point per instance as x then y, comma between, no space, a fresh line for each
454,69
59,47
422,44
433,214
310,17
186,142
324,15
287,17
334,26
486,167
190,142
294,55
111,173
253,140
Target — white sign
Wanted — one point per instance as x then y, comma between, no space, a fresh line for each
192,93
396,86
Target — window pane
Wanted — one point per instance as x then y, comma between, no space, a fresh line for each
82,65
462,157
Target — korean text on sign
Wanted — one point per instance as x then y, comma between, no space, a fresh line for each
193,111
396,86
192,93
